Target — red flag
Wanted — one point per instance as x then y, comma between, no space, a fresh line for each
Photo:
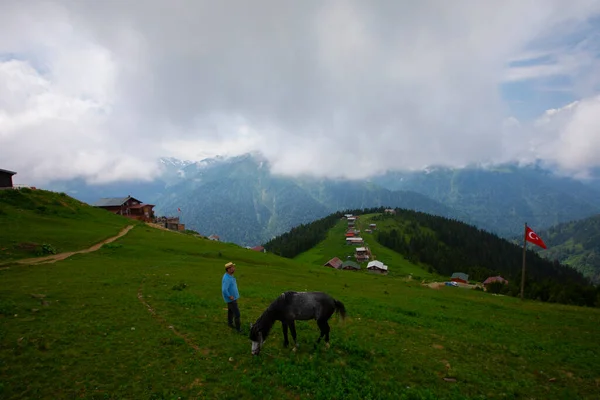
178,209
532,237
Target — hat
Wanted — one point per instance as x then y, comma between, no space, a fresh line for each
229,264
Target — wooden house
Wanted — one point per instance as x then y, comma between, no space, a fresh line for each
356,241
214,237
171,223
129,207
372,226
260,249
6,178
362,254
350,266
390,211
334,263
377,267
460,277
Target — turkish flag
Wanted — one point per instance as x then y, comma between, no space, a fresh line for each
178,209
532,237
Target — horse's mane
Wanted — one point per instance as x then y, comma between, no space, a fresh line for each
265,322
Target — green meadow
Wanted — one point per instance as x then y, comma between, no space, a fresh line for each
34,218
143,318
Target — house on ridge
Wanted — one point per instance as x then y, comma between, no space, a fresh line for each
129,207
214,237
6,179
260,249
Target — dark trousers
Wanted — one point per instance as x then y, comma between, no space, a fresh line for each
233,313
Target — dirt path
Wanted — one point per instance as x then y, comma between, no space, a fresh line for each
61,256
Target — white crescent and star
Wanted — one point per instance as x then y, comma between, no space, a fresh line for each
533,236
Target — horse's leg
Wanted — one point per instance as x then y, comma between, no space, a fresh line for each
285,335
323,327
293,330
327,329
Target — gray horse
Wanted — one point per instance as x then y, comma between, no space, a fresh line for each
292,306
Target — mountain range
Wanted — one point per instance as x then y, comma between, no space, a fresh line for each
240,200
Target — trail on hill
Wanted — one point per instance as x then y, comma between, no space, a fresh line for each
61,256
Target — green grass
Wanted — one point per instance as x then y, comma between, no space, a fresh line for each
32,218
95,339
335,246
80,328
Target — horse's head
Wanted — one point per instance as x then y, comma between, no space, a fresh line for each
257,339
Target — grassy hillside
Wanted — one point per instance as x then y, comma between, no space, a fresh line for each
577,244
32,218
335,246
143,318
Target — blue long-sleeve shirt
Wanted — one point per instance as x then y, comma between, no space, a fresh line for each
229,288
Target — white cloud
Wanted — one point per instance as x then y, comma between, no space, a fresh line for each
315,86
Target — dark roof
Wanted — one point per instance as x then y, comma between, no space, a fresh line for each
112,201
350,264
8,172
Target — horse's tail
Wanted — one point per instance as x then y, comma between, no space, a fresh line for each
339,307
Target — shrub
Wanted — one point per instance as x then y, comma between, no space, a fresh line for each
46,249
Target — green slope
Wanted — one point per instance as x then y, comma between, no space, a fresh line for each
93,336
577,244
335,246
32,218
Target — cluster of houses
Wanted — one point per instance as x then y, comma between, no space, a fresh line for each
461,277
361,253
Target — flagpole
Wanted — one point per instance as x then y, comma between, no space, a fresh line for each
524,254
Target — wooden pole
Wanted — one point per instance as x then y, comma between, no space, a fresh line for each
524,257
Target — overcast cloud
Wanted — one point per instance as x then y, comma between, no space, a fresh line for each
101,89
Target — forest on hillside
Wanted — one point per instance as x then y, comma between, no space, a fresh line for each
306,236
449,246
576,244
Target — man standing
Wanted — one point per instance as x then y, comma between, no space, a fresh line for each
230,295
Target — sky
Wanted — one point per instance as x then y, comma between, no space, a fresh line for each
100,90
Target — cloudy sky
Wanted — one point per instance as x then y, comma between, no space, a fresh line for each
100,89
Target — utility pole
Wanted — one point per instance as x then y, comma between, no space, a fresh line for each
524,256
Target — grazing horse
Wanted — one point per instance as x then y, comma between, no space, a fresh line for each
291,306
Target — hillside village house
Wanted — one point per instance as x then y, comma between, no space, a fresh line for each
355,241
335,262
171,223
129,207
6,178
362,254
215,238
350,266
459,277
390,211
377,267
260,249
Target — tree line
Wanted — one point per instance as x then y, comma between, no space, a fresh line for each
447,246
